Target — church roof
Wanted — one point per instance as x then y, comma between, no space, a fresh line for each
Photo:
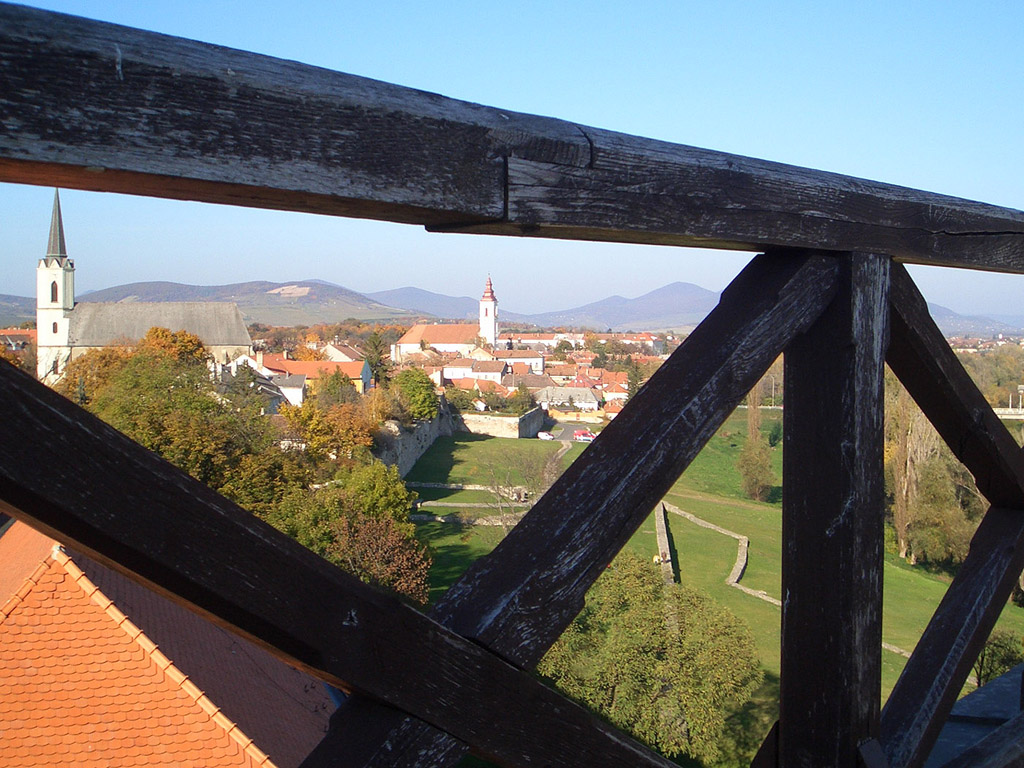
95,324
97,670
488,291
449,333
55,245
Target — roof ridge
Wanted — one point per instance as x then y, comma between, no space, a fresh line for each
26,586
170,670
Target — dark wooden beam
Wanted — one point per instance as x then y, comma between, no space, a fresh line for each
97,106
518,600
942,660
921,358
832,524
80,481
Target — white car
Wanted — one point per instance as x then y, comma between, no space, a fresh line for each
545,436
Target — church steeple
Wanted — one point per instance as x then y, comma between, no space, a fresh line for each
56,246
489,314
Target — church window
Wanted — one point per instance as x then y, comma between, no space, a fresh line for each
54,327
53,291
54,366
486,310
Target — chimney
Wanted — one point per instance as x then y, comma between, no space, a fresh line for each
259,358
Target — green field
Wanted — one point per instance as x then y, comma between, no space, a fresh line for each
710,489
473,459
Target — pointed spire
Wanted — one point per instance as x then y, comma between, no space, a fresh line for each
56,247
488,291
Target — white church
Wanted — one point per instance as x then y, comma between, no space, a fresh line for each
66,329
453,338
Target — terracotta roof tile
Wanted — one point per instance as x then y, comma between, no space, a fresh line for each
82,686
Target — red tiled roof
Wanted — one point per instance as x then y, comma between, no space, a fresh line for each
312,369
449,333
84,686
71,663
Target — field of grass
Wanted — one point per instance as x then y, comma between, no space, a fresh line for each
710,489
469,459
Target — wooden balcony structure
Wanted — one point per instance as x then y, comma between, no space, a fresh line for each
95,106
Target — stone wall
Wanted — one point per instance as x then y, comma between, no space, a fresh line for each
403,446
527,425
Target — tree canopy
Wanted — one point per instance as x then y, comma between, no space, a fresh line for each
661,661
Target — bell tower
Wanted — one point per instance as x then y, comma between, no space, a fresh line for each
489,315
55,298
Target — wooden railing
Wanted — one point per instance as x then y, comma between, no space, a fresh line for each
94,106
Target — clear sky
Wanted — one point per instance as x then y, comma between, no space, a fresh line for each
923,93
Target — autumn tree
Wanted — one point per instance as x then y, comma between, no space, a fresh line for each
663,662
340,432
755,461
183,346
88,374
360,521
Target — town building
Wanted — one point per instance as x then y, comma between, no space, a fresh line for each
66,328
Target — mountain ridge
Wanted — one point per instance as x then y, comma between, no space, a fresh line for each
677,306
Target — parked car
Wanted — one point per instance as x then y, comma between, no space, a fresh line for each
583,436
545,436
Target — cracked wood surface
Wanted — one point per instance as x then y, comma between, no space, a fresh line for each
517,600
97,106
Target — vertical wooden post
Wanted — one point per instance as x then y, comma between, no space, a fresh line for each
832,524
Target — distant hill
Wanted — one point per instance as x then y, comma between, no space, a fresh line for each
15,310
953,324
301,303
676,306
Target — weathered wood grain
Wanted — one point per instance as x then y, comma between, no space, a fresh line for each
832,524
942,660
113,500
517,600
97,106
922,359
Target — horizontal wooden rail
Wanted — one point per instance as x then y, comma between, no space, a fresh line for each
97,106
82,482
518,599
939,666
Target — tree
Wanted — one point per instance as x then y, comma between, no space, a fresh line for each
661,661
87,375
183,346
360,521
561,350
335,388
520,401
378,356
1001,653
416,393
337,433
634,379
755,462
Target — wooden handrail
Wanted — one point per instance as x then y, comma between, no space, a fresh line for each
109,108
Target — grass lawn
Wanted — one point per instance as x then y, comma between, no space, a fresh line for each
451,495
469,459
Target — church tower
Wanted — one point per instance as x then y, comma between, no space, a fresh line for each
489,315
55,298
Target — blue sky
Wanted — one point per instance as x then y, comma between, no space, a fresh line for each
923,94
